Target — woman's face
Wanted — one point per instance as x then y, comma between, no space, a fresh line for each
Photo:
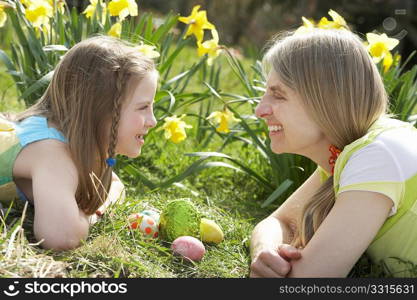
137,117
291,129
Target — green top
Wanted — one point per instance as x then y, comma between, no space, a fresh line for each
385,161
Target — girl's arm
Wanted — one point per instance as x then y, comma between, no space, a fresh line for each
277,229
343,236
58,220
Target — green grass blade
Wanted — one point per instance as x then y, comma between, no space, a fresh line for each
278,192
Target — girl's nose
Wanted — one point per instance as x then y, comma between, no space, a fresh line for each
151,121
263,110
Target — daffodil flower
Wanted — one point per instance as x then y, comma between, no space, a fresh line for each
210,47
224,119
3,15
38,13
91,9
148,50
58,4
175,128
123,8
6,126
338,22
307,25
115,30
26,3
379,46
197,22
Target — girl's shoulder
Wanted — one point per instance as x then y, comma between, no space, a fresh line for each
38,139
42,153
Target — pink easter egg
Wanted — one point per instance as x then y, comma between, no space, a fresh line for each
188,247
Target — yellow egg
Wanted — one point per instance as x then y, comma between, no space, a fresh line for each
210,232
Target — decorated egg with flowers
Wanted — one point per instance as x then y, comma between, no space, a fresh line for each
145,224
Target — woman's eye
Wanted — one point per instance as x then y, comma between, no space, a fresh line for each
144,107
278,97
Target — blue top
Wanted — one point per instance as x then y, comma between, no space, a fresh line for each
33,129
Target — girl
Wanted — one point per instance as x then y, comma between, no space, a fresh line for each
59,153
325,97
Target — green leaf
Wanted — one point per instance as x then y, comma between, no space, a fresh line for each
38,84
6,60
281,189
167,25
137,174
181,44
243,167
213,91
196,167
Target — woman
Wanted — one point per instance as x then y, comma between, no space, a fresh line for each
326,100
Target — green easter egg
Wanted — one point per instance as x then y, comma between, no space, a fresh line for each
179,218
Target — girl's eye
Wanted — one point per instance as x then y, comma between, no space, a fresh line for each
144,107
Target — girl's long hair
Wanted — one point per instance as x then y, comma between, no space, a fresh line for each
342,91
84,100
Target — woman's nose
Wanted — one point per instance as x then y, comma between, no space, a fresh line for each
263,110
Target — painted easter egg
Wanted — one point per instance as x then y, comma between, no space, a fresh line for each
153,214
210,232
179,218
145,224
188,247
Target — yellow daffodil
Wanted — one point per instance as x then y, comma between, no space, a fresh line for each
115,30
3,16
58,4
197,22
26,3
38,13
224,119
307,25
210,47
123,8
379,46
387,62
175,128
148,50
6,126
337,23
390,61
91,9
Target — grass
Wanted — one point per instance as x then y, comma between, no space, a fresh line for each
112,250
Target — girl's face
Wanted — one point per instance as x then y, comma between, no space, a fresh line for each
137,117
291,129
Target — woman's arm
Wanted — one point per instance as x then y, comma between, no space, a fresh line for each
343,236
277,229
269,249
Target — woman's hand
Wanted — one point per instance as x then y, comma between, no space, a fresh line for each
274,263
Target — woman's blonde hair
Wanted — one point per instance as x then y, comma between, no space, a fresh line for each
340,88
83,99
